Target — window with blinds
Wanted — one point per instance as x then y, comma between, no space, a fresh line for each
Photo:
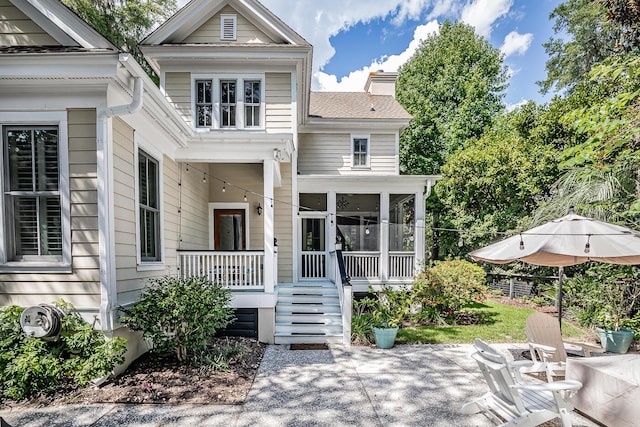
149,205
32,194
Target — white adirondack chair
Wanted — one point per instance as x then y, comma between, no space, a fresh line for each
512,402
548,350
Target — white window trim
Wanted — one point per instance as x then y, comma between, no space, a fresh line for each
239,206
368,163
158,157
215,97
234,18
49,118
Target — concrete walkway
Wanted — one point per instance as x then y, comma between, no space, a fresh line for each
409,385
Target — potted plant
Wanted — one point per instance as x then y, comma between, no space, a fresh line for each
619,296
389,309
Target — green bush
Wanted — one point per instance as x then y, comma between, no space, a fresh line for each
605,295
446,287
30,365
180,315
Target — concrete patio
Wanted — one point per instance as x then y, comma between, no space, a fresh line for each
409,385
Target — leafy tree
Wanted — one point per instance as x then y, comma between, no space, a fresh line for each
124,22
602,173
596,29
493,183
453,86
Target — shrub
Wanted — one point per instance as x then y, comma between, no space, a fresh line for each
29,365
605,295
362,321
180,315
448,286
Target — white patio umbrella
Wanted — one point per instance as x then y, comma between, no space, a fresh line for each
570,240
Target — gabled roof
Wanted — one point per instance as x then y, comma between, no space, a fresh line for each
62,24
355,105
177,28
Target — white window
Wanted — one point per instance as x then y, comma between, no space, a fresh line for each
252,102
149,207
360,151
34,218
228,102
204,103
228,24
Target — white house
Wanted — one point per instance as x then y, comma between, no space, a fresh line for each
231,168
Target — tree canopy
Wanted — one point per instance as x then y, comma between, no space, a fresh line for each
453,86
124,23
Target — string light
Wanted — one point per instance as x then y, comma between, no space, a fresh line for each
460,242
245,196
204,178
493,233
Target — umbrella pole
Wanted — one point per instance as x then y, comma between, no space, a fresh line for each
559,298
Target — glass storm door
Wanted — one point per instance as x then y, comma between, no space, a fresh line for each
313,252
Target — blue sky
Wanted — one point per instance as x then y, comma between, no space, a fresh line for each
353,37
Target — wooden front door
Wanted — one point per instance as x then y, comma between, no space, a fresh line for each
229,232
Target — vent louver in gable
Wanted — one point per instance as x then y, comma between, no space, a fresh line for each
228,25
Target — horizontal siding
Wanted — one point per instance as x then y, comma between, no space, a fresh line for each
81,287
16,29
124,183
284,225
278,102
193,223
330,154
178,92
246,32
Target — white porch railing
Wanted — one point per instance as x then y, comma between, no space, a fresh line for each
401,265
313,265
239,270
362,264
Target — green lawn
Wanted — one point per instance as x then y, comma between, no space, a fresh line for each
505,324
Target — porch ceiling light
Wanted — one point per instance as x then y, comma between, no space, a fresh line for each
342,203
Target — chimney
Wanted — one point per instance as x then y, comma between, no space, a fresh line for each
381,83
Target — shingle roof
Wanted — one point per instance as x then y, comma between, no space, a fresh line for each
355,105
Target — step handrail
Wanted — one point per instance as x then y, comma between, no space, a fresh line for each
346,296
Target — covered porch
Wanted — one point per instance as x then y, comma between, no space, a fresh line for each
379,221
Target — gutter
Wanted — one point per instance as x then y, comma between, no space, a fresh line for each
106,228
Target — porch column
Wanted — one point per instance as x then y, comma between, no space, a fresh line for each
267,214
384,236
331,236
419,239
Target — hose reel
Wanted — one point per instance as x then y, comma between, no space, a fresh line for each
41,321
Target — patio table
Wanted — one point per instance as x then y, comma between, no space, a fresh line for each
610,390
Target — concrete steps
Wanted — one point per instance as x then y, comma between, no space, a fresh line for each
308,313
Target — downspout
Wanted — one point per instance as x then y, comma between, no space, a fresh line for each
104,151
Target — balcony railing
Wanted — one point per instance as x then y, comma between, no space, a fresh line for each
238,270
401,265
362,265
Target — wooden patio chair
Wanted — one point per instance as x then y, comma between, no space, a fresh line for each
548,350
512,402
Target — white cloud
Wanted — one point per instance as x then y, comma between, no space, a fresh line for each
355,81
482,14
318,21
509,108
516,43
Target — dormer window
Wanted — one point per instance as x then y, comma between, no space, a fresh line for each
228,102
228,26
